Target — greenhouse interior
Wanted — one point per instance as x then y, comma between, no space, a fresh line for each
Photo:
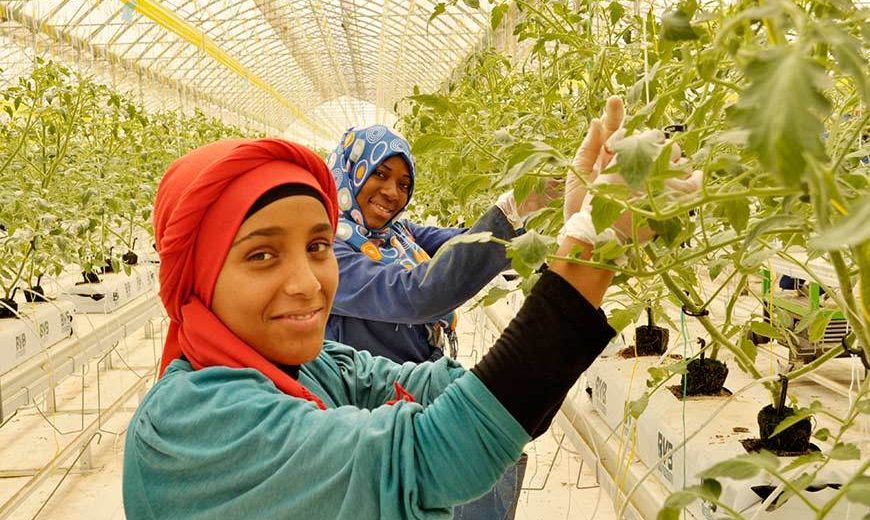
521,259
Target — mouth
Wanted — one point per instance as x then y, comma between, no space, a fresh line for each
382,210
300,320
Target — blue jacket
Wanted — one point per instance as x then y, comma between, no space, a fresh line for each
224,443
384,308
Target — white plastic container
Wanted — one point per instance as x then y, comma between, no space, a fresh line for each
40,326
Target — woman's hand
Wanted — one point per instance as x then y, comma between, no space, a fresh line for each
596,155
592,156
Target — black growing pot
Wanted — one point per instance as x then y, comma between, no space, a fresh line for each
130,258
794,439
649,339
8,308
90,277
35,294
704,377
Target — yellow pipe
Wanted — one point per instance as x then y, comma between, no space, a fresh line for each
172,22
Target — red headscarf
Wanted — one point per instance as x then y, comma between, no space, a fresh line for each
201,202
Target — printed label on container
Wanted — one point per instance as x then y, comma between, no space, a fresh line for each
666,466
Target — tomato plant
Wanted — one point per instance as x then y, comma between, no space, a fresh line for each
770,100
79,166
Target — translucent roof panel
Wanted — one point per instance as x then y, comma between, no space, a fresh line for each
307,68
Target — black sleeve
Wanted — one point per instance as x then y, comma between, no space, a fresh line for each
555,336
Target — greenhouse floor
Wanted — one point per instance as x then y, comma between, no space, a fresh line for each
556,485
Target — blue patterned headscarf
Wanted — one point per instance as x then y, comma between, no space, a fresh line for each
354,160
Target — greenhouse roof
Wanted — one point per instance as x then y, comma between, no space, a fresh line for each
305,68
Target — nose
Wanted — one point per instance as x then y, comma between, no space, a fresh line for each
390,190
300,279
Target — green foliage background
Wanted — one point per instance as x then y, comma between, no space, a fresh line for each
79,166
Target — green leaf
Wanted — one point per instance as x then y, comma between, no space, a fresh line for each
636,407
528,283
667,230
806,320
753,260
526,156
440,104
636,155
495,294
622,318
791,420
782,108
822,434
818,326
803,460
845,452
465,238
715,267
610,250
849,231
615,10
749,348
439,10
676,26
711,489
737,213
673,513
469,185
765,329
680,500
474,4
431,143
859,490
767,224
743,467
497,14
528,251
604,213
847,50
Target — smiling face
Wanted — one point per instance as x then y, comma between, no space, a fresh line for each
385,192
277,284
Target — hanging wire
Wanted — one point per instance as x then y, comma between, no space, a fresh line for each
684,333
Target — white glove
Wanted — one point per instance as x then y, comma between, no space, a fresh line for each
579,225
591,157
508,205
516,213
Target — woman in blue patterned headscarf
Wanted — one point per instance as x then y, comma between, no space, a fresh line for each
374,172
387,302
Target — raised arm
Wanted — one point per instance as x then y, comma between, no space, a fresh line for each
391,293
256,453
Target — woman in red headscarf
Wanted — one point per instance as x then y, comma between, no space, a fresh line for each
256,416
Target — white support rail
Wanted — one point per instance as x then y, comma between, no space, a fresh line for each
20,386
76,447
592,438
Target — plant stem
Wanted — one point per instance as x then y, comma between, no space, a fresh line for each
816,363
742,359
823,512
852,138
706,304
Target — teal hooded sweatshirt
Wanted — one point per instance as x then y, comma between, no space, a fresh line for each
224,443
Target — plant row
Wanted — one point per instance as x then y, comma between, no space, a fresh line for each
79,166
769,99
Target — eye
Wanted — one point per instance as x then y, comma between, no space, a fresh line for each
380,174
259,256
319,246
405,187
